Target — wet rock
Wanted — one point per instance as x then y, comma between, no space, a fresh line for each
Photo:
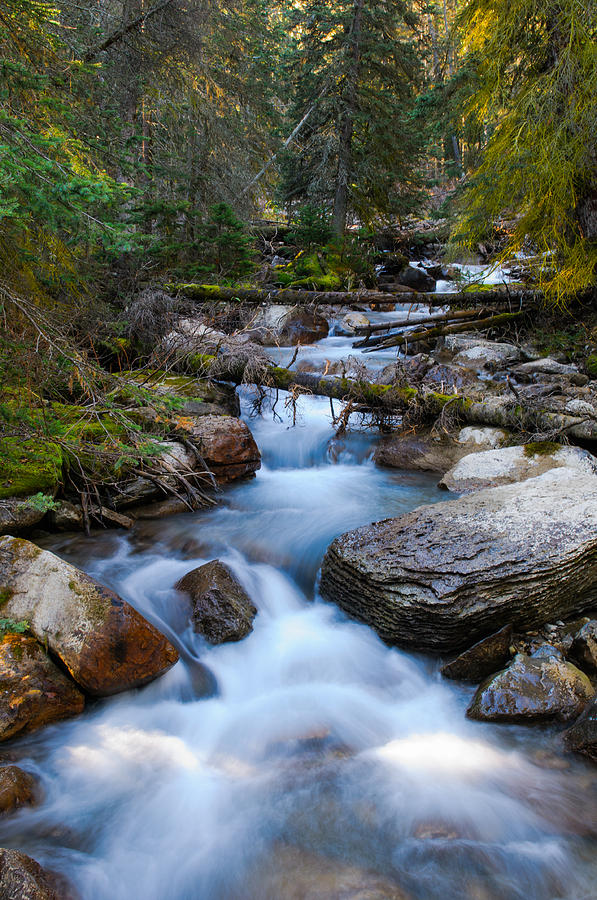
582,736
351,322
417,279
227,446
424,452
17,788
537,687
68,517
22,878
511,464
159,510
302,326
447,574
222,609
584,647
17,514
106,645
34,692
482,659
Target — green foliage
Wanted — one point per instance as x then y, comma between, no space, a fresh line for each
312,227
591,365
536,65
10,626
374,100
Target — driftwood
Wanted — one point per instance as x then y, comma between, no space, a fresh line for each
420,319
397,340
292,297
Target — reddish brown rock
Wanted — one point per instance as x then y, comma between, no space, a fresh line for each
222,609
17,788
106,645
302,326
22,878
33,691
227,446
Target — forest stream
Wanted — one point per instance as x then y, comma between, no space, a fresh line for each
326,762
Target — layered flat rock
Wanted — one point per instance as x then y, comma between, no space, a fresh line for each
34,691
222,609
105,644
227,446
448,574
507,465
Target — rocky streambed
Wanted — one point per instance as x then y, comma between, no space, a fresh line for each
291,751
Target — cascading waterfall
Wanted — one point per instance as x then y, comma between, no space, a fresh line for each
321,741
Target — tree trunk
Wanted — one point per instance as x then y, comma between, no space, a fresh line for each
347,122
291,297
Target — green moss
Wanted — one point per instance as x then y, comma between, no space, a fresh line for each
6,594
541,448
29,467
591,366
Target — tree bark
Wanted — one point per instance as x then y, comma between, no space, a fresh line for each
292,297
397,340
347,122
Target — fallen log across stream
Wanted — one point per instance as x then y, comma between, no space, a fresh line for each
422,403
405,337
292,297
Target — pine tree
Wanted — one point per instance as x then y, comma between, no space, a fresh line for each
537,67
354,66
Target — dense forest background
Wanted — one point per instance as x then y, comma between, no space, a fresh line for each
140,138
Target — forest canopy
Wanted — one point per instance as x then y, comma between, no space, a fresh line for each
139,137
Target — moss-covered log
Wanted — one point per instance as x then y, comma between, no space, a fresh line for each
427,404
290,297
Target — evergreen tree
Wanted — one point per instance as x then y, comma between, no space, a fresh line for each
354,67
536,61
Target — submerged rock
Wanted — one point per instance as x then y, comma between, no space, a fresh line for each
491,468
34,691
227,447
295,874
22,878
447,574
482,659
222,609
17,788
582,736
533,687
105,644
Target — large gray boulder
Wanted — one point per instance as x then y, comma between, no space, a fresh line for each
106,645
507,465
445,575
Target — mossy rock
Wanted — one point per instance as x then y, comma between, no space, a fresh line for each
591,366
541,448
29,467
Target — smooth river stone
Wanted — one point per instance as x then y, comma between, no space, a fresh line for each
106,645
446,575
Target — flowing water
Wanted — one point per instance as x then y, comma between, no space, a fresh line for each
325,756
